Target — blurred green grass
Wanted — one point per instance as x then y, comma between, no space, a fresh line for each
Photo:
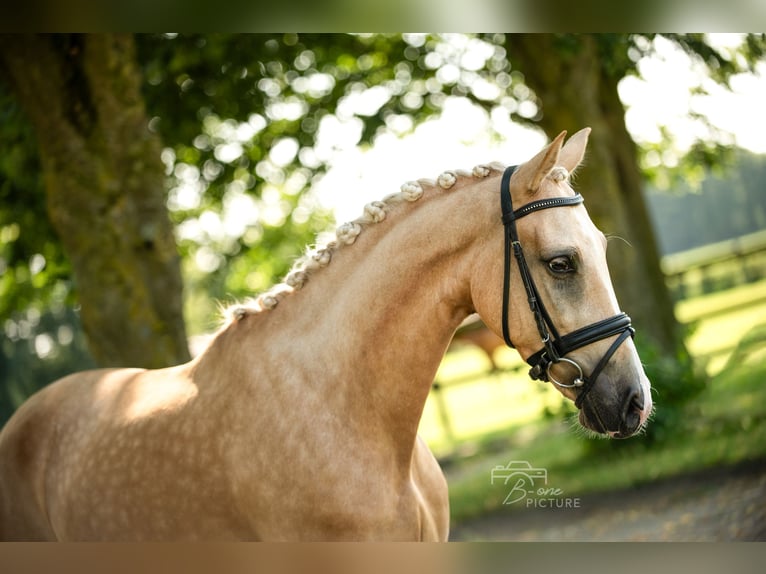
501,416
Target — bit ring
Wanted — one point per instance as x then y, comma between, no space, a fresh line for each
578,381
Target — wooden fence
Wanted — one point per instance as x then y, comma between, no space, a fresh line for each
716,266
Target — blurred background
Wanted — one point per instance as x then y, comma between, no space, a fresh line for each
146,180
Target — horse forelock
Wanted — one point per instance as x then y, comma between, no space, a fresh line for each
559,174
346,234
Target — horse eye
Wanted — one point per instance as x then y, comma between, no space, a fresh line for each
561,265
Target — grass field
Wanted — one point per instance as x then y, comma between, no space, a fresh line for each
500,417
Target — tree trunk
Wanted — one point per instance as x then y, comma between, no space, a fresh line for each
104,184
575,85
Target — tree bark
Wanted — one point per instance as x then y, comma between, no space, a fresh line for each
578,88
105,195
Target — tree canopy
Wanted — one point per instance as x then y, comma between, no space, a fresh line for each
249,93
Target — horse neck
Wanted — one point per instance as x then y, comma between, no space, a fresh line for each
373,326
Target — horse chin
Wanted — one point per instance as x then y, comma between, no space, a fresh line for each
592,424
591,419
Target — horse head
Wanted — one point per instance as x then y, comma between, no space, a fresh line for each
559,307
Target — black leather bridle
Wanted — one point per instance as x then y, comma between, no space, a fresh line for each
555,346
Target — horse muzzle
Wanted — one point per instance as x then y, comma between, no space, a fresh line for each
618,416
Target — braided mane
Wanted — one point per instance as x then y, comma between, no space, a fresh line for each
318,257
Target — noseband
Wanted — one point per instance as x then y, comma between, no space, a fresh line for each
555,347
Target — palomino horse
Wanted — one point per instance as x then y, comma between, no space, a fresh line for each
299,420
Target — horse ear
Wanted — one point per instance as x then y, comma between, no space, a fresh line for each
532,173
572,153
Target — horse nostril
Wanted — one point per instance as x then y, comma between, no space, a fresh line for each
631,414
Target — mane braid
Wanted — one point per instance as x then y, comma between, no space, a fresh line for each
318,257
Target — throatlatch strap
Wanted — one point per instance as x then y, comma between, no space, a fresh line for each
506,207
